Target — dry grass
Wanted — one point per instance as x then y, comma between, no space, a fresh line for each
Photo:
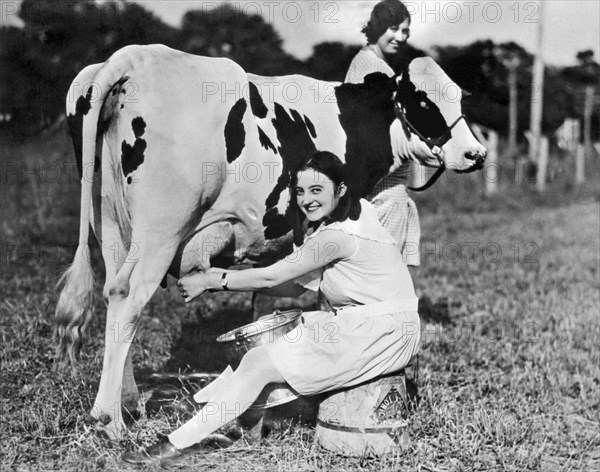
512,383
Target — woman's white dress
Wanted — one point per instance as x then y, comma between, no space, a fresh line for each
373,327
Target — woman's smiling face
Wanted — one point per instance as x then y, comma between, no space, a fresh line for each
316,195
395,37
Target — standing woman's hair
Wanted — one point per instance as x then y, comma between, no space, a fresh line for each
332,167
385,14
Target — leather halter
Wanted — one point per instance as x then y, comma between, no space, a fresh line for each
434,144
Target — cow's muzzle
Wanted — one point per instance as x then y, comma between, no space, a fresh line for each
478,157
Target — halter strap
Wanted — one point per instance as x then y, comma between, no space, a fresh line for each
432,180
434,145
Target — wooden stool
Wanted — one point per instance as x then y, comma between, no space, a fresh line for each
369,419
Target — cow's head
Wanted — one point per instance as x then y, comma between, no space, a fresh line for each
430,126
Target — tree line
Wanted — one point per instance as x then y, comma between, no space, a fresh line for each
39,60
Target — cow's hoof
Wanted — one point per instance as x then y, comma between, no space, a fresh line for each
130,416
111,430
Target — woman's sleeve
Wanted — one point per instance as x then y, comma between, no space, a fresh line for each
363,64
356,71
310,281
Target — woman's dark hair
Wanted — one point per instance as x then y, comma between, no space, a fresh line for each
385,14
332,167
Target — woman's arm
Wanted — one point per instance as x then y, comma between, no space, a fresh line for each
287,289
318,251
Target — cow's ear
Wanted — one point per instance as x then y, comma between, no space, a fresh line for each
465,93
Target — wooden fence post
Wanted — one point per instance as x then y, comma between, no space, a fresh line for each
580,164
542,163
491,172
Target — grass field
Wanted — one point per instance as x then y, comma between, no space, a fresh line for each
509,381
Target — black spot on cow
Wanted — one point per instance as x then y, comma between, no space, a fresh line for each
235,134
265,142
111,105
258,107
295,143
75,123
118,89
133,156
84,104
139,126
310,126
366,114
276,224
419,110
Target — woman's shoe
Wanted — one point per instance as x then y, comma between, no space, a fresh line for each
159,452
165,453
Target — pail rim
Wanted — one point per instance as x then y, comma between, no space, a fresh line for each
265,323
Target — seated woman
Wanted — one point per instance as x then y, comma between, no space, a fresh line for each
372,329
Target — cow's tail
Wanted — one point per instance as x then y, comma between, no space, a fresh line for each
74,308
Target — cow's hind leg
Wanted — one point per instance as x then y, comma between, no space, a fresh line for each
134,284
130,394
115,255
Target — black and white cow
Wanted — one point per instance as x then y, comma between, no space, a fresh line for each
185,163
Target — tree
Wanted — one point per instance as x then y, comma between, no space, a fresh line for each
58,40
247,39
330,60
585,78
509,56
480,68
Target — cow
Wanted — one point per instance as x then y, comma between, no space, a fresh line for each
185,162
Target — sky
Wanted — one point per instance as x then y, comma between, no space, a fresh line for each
569,25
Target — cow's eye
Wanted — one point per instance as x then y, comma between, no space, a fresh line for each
424,105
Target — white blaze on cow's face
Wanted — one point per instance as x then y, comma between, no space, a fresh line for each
462,150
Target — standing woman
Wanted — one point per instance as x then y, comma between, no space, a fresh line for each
372,329
387,32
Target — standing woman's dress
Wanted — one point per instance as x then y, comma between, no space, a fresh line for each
373,328
397,211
